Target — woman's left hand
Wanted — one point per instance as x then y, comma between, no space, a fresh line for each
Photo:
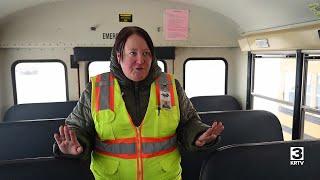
210,135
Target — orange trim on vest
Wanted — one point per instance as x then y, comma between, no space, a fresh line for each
97,104
158,92
171,90
111,92
139,154
138,175
149,139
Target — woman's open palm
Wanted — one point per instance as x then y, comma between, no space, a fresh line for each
67,141
211,134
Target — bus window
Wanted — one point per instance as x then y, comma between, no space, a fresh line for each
205,77
162,65
308,90
274,85
311,105
38,81
99,67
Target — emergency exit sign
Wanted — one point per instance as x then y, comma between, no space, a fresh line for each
125,17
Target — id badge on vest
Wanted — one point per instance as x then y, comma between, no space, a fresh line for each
165,100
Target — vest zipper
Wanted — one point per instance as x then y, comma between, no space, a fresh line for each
139,147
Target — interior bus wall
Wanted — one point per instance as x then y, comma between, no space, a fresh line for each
237,66
68,24
9,55
235,58
51,30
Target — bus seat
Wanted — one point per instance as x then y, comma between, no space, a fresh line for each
27,139
246,126
39,111
264,161
215,103
239,127
47,168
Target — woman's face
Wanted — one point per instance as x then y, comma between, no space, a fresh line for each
136,60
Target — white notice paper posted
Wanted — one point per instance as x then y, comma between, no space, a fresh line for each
176,24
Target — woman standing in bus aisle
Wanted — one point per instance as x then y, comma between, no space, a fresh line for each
132,119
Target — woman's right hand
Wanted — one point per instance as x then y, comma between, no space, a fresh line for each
67,141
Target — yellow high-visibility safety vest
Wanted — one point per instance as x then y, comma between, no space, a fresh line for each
124,151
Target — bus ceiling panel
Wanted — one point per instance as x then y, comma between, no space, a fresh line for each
263,15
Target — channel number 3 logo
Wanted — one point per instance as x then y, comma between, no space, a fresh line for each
296,153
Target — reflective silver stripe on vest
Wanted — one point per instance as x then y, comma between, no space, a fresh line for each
123,148
154,147
104,91
130,148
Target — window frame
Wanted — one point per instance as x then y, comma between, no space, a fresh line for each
253,94
207,59
299,105
251,80
13,75
307,59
